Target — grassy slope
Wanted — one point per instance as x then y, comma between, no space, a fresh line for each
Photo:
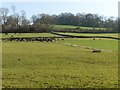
103,44
56,65
85,34
107,44
50,35
60,27
28,35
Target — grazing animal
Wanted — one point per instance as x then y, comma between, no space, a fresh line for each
96,51
93,38
6,33
18,58
11,35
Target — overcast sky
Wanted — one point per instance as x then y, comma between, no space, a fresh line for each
101,7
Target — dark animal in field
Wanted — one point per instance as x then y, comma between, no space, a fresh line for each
10,39
18,58
20,39
62,39
6,33
93,38
96,51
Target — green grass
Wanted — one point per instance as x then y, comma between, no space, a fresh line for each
28,35
90,34
107,44
61,27
57,65
64,27
0,35
50,35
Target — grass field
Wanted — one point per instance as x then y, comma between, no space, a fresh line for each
58,65
85,34
50,35
61,27
28,35
105,44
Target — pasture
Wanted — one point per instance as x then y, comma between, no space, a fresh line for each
104,44
85,34
28,35
62,27
59,64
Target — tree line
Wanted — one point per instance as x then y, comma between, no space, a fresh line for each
45,22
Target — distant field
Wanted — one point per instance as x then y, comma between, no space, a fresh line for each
85,34
60,27
102,44
57,65
106,44
66,63
50,35
28,35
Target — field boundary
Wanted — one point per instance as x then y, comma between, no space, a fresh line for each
73,36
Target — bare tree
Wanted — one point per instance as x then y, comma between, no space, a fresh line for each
44,22
17,19
13,9
23,17
0,19
3,14
10,20
34,18
15,15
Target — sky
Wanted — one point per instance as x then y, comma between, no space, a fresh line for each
119,9
106,8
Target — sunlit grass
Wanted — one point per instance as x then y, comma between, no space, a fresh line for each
90,34
60,27
107,44
57,65
27,35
